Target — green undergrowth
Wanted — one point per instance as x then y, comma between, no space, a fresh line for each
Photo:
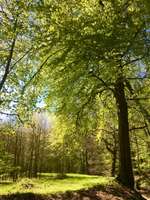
51,184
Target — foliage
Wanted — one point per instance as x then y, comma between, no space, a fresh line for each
88,61
100,50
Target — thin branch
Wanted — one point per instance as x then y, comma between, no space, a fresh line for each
12,114
108,146
140,98
94,92
3,12
132,41
139,78
102,81
35,74
144,111
137,128
133,61
39,70
20,58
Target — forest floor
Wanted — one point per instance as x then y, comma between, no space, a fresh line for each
73,187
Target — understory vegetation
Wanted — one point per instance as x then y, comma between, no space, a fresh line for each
51,184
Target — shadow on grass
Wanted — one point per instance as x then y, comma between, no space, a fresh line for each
95,193
5,183
18,196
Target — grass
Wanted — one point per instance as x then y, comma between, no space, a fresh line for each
49,184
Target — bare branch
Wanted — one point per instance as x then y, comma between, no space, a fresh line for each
12,114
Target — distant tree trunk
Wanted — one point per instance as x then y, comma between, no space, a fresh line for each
112,149
113,167
36,155
17,155
84,168
86,162
62,160
14,174
114,155
125,164
31,154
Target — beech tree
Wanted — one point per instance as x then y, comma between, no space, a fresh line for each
101,48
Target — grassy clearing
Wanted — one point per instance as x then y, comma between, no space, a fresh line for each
48,184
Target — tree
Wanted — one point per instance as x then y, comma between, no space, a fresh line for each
100,48
6,155
19,64
37,135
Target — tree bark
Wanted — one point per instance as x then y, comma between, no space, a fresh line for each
125,164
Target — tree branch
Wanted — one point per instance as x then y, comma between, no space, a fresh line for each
101,80
140,98
133,61
137,128
12,114
20,59
38,71
7,67
35,74
93,93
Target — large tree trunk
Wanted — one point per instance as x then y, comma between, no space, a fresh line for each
125,164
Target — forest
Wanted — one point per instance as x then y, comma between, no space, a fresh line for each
75,98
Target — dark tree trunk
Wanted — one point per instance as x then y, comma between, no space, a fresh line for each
125,164
15,162
86,162
113,167
115,154
36,155
30,164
